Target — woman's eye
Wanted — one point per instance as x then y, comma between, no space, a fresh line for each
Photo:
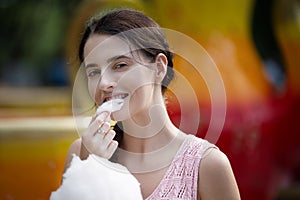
120,65
94,73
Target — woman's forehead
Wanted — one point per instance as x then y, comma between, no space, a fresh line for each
101,48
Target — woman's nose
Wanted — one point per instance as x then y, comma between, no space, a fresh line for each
106,83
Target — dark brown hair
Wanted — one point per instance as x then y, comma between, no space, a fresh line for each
136,28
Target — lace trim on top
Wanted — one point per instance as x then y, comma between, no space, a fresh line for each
181,178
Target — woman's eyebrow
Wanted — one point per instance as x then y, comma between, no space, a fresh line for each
91,65
117,57
108,60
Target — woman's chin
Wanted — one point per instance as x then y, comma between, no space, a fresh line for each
118,116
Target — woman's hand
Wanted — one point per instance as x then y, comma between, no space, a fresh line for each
98,138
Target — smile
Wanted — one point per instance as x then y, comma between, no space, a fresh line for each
119,96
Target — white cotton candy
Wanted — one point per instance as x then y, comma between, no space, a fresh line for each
97,178
110,106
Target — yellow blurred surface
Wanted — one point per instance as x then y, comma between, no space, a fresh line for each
32,154
36,129
35,101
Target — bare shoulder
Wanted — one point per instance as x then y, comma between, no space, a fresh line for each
73,149
214,159
216,178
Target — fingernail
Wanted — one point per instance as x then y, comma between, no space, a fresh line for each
103,115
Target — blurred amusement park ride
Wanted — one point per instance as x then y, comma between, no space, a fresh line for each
256,47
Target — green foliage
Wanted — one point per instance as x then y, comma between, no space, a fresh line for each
33,32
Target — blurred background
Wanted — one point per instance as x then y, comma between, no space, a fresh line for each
255,44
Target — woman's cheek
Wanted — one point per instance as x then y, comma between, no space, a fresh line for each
92,89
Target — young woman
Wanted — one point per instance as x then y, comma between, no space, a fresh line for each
126,56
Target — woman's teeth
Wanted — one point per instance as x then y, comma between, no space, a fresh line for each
120,96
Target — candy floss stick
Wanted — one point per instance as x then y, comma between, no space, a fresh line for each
110,106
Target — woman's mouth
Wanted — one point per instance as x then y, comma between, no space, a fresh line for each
119,96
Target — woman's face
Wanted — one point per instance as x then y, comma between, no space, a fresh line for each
113,72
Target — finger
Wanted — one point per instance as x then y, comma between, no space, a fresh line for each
102,116
112,148
94,126
94,116
103,129
104,148
109,136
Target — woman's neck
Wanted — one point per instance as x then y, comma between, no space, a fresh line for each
148,130
149,138
143,155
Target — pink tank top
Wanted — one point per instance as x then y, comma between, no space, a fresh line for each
181,178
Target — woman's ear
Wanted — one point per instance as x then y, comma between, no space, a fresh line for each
161,62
